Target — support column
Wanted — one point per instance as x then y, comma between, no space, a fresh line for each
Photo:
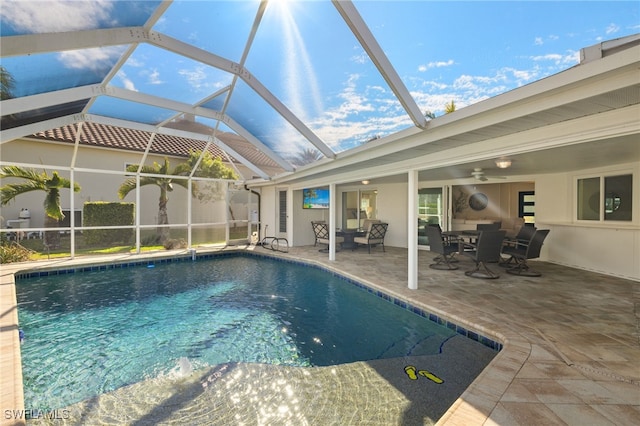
332,221
412,230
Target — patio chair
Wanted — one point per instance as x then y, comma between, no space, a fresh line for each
321,230
525,250
485,250
495,226
375,235
367,222
443,246
318,230
524,235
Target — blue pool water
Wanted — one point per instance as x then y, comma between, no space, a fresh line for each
92,332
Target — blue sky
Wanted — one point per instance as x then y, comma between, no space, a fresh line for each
307,57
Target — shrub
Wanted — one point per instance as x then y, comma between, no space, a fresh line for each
108,214
10,252
172,243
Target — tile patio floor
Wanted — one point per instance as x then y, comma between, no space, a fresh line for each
572,338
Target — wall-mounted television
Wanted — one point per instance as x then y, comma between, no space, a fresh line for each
315,198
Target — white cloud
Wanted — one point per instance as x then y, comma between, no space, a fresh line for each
437,64
126,82
200,80
612,28
154,77
538,41
360,58
361,113
548,57
195,77
55,16
569,58
99,59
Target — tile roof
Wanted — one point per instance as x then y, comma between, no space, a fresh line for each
101,135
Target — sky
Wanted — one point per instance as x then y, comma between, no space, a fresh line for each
306,56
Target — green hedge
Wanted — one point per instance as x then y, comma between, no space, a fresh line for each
102,213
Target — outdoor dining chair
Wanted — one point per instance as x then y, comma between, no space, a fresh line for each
443,246
486,250
523,251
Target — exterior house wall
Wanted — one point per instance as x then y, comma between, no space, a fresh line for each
609,248
392,202
95,174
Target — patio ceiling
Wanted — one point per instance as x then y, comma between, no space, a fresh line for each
249,69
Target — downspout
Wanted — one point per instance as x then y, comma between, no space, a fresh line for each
259,207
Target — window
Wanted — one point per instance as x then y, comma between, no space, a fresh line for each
430,211
358,206
282,211
527,206
605,198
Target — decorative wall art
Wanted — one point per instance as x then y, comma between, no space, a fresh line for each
478,201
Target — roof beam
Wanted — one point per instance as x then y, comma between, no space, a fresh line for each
243,160
293,119
44,100
208,58
7,135
199,111
357,25
31,44
54,42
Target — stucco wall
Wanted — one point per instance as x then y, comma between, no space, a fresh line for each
610,248
99,184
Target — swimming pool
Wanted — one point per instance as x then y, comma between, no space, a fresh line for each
82,330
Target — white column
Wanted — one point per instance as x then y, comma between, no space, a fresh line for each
412,230
189,211
332,221
72,219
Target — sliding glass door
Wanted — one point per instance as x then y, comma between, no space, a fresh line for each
432,210
358,206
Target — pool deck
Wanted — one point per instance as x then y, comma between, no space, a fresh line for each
571,337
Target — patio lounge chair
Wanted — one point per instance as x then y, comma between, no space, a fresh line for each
321,231
486,250
375,235
523,251
444,247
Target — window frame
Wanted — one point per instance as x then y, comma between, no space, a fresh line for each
602,216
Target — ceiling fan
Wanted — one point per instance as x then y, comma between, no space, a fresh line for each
479,174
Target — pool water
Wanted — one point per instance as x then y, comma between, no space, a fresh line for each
90,333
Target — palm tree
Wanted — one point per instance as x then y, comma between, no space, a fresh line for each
450,107
211,167
308,156
165,183
7,84
34,181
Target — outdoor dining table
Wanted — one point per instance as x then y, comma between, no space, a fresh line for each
466,237
349,235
